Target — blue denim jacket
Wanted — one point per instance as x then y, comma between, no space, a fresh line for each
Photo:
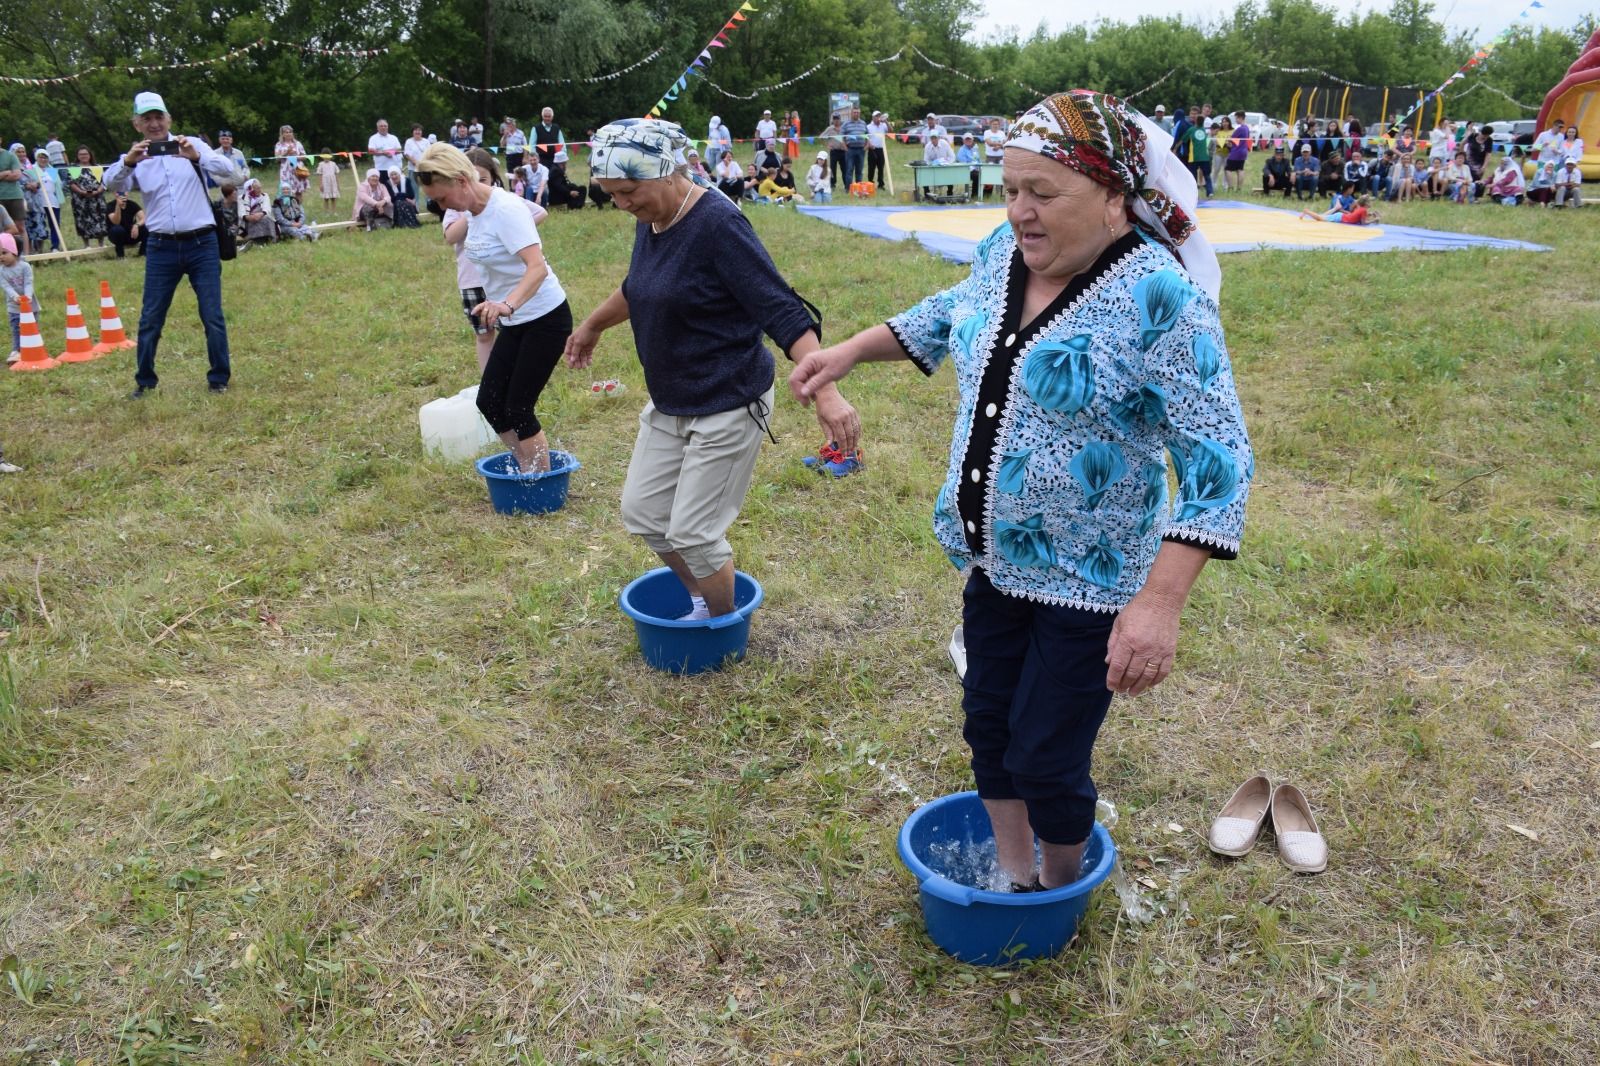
1076,490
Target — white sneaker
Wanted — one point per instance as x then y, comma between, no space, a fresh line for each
958,651
9,468
15,356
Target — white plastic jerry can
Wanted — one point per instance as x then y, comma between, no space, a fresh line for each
453,428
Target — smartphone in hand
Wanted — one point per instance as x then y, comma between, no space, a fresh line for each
170,146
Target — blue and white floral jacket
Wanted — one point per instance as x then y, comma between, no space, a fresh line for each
1064,496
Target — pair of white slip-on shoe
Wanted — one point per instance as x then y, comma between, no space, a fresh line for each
1253,805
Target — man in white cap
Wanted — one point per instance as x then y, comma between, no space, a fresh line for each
930,126
877,137
1161,118
766,130
182,236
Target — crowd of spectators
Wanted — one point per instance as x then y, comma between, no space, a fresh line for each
1320,160
1340,161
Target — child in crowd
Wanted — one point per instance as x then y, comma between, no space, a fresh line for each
1458,181
328,179
817,179
16,277
778,186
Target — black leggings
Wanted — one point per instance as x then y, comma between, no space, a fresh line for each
519,367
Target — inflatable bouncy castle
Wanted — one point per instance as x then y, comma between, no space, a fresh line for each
1577,101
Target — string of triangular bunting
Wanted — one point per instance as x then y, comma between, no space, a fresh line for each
696,68
1478,58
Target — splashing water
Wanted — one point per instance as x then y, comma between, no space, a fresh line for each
897,781
1137,906
969,862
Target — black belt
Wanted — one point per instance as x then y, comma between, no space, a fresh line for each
186,235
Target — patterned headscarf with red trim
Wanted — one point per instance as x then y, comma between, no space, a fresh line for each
1096,134
1105,139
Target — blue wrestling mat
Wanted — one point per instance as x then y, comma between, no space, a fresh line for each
1231,226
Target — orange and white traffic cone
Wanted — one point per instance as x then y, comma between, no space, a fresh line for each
112,336
79,348
34,357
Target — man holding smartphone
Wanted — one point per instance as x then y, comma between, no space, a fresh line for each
181,233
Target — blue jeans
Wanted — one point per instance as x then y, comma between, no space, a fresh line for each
855,165
166,263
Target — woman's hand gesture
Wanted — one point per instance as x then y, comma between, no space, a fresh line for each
579,352
817,370
838,419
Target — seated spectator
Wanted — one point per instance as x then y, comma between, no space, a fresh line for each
937,150
1359,215
816,180
1542,190
1306,172
535,180
1569,184
1355,170
730,177
766,159
785,179
290,217
1379,175
227,202
403,191
1507,185
1432,183
1277,176
255,213
1331,179
697,168
460,137
1458,181
1345,198
773,190
563,192
1402,179
374,206
125,225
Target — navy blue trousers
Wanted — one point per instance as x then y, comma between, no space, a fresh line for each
1035,695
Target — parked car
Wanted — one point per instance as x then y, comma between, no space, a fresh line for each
955,125
1506,132
1263,127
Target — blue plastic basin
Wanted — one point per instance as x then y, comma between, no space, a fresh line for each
514,493
993,928
656,600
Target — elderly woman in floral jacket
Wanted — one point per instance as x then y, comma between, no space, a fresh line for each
1088,349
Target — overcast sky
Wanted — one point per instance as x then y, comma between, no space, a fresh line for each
1485,16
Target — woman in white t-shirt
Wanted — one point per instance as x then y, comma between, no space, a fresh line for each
524,301
470,282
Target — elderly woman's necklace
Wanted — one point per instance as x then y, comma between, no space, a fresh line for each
658,229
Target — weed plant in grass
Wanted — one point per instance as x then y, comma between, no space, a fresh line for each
306,756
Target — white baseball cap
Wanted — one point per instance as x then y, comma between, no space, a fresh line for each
147,102
1161,107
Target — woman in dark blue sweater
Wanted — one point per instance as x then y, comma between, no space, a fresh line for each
700,292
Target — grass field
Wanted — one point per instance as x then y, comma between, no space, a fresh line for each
306,756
